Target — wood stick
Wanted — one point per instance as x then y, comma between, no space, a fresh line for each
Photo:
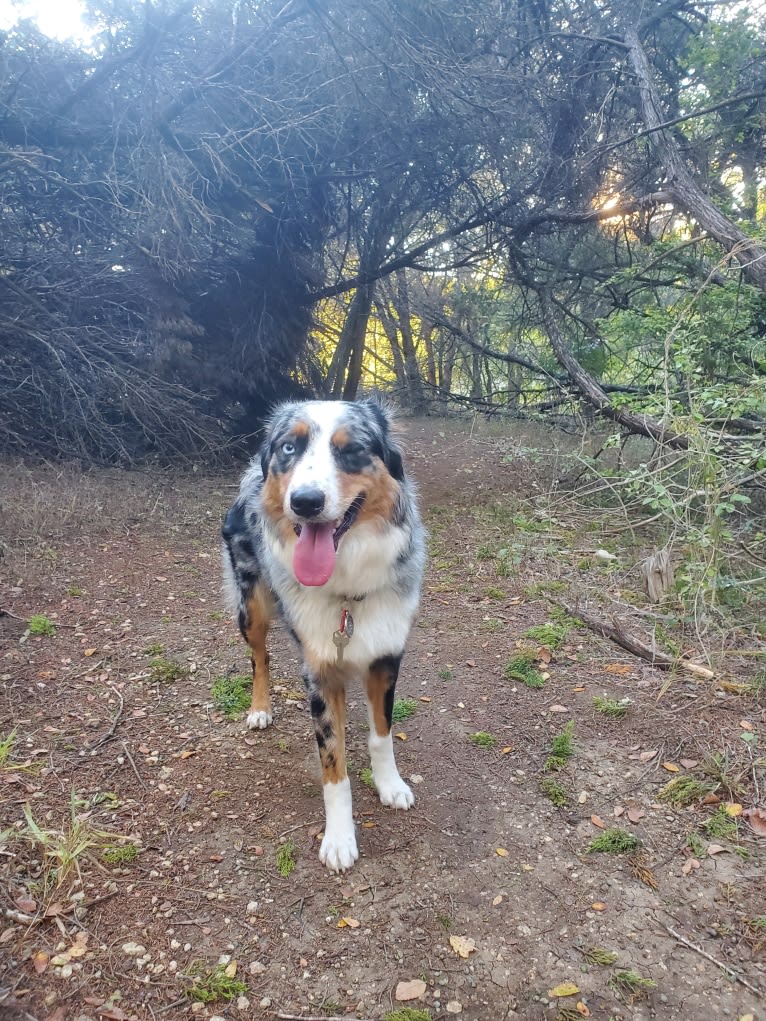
719,964
631,644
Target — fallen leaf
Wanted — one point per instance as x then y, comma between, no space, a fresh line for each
757,819
598,821
26,904
160,577
401,735
351,923
598,905
617,668
410,990
714,849
497,900
746,724
635,814
470,662
89,652
369,825
579,688
618,810
689,763
671,767
647,755
544,655
688,865
582,1009
40,961
187,753
564,989
733,809
711,799
506,750
230,970
462,945
425,698
501,852
527,868
559,709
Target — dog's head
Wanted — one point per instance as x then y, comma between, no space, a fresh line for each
328,466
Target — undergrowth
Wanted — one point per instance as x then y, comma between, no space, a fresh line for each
212,984
402,710
232,695
614,841
287,858
562,749
521,667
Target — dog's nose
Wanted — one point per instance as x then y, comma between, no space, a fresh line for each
307,502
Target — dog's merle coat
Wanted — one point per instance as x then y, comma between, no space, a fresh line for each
326,521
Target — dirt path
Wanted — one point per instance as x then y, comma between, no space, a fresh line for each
485,856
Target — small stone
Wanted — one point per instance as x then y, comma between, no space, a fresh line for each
252,907
197,1007
242,1003
134,949
257,968
265,1003
454,1007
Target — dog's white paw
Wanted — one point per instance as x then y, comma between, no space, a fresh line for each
339,851
259,720
395,793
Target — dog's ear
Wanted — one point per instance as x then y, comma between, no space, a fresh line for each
389,451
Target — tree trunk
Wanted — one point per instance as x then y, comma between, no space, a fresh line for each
413,379
681,184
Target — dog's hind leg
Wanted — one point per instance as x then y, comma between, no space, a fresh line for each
328,710
254,624
381,686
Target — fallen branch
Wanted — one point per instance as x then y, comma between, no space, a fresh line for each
708,957
310,1017
614,632
115,720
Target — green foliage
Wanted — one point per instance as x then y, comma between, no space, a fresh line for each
232,695
562,749
630,986
682,791
403,709
365,775
446,674
614,841
39,624
6,747
721,826
521,667
155,649
287,858
74,590
482,739
599,955
212,984
408,1014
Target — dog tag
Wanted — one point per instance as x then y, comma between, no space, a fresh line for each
341,640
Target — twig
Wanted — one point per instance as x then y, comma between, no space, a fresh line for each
311,1017
292,829
115,720
614,632
132,763
719,964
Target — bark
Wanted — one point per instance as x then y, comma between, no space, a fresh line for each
681,184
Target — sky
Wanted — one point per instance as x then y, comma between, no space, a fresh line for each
57,18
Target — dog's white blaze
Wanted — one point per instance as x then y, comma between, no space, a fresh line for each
391,788
317,466
338,850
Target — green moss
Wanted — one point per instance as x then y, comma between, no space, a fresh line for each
599,955
495,593
721,826
39,624
124,854
446,673
6,747
232,695
554,791
482,739
74,590
549,634
408,1014
610,707
521,667
684,790
155,649
614,841
287,858
365,775
631,986
403,709
562,745
165,671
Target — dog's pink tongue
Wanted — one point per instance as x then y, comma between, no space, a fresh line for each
314,555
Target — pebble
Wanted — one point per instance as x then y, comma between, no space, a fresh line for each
242,1003
265,1003
454,1007
134,949
256,968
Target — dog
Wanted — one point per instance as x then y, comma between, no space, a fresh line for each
326,532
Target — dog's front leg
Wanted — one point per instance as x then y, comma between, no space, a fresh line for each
328,710
381,686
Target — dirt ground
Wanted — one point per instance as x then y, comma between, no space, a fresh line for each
101,753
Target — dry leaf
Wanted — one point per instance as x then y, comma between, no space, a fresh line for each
501,852
746,724
618,810
351,923
89,652
410,990
187,753
564,989
617,668
425,698
711,799
714,849
40,961
369,825
757,819
527,868
598,821
462,945
26,904
497,900
579,687
692,863
544,655
582,1009
598,905
689,763
647,755
401,735
671,767
635,814
559,709
506,750
230,970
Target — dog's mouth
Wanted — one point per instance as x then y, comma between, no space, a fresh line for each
317,545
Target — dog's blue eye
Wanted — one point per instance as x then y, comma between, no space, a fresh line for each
288,449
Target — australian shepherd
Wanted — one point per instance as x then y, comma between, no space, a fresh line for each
326,533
